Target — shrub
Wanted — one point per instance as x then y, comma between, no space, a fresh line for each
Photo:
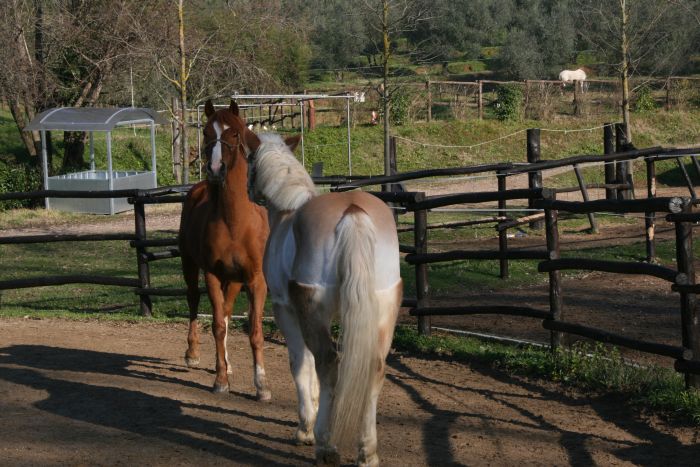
645,100
399,107
17,177
509,103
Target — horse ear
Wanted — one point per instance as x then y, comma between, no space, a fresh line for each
208,108
233,107
251,140
292,142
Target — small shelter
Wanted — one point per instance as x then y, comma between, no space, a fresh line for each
91,119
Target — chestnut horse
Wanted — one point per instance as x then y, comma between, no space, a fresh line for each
331,255
223,233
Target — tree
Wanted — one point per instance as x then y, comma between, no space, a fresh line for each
77,46
386,20
639,36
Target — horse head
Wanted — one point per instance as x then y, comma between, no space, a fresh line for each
226,141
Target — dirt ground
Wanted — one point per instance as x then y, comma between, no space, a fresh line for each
103,393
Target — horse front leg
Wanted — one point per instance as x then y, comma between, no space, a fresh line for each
257,288
219,329
231,291
190,271
301,363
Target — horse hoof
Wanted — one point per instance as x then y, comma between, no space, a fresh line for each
191,362
219,388
264,395
327,458
371,461
305,438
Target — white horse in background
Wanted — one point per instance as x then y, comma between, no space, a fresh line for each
569,76
329,256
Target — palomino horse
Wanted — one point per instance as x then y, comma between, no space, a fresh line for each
332,255
223,233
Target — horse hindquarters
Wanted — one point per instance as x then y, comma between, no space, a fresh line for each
367,319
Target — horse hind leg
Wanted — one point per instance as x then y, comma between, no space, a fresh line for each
257,291
314,321
301,363
389,304
190,272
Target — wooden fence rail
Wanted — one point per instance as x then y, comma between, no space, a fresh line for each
687,355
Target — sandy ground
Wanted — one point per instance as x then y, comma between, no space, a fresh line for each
101,393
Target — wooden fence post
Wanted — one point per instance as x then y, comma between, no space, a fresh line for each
668,94
650,216
430,101
624,168
577,92
420,239
584,193
555,298
609,148
502,234
141,261
689,315
534,179
481,100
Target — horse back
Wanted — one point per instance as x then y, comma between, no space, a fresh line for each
315,233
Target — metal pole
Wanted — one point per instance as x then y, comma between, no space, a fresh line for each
45,166
199,141
92,151
109,170
303,155
153,153
347,104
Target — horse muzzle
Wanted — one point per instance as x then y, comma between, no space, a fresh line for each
216,176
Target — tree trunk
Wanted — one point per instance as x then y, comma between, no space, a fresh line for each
74,149
27,137
177,142
624,70
386,53
184,153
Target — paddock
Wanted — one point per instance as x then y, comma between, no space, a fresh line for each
102,393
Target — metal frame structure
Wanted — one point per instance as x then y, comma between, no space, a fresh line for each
293,100
90,119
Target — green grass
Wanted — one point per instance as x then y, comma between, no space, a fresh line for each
593,369
327,144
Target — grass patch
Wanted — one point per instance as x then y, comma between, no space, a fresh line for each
596,368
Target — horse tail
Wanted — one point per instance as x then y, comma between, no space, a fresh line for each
359,314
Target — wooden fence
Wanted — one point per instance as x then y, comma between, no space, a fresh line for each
678,210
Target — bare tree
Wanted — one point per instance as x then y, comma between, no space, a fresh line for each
18,67
653,36
77,46
386,20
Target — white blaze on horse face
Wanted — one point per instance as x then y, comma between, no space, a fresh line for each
216,150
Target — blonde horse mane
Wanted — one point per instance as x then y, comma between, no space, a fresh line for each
279,176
